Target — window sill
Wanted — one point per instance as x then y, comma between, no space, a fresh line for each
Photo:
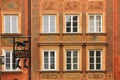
11,34
91,33
72,33
12,71
48,71
99,71
72,71
49,33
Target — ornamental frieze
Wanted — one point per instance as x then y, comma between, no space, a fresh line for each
7,42
72,5
49,5
99,76
49,75
96,5
10,5
75,76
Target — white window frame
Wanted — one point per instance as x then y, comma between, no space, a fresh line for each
11,31
48,23
94,60
72,60
95,31
49,60
71,23
11,62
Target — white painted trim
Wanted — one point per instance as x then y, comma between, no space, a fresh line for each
71,15
49,60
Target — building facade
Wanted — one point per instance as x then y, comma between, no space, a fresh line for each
13,22
116,39
70,39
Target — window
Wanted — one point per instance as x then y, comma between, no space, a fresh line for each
49,23
9,61
72,22
10,23
49,60
95,23
95,59
72,60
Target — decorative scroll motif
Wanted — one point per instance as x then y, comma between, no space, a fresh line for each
49,76
72,38
49,38
83,76
92,76
94,38
7,42
49,5
75,76
95,5
109,77
10,5
72,5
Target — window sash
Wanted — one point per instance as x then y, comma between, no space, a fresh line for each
50,63
70,60
70,24
10,23
9,62
95,24
49,23
94,59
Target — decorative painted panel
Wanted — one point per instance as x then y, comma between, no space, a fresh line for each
96,5
11,5
72,5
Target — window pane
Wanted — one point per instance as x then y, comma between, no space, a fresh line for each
98,17
46,23
98,60
75,53
75,66
91,18
14,24
91,66
91,23
75,30
7,24
68,53
68,29
75,18
45,54
68,23
7,60
75,24
7,54
52,60
7,66
45,60
68,60
98,66
68,66
52,66
52,23
91,60
98,53
52,54
68,18
45,66
91,53
75,60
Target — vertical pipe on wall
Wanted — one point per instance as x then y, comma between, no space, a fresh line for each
29,34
